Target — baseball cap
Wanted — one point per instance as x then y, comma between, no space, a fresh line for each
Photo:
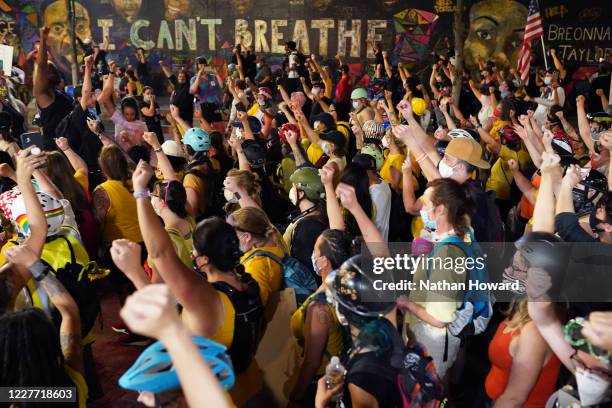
335,137
326,119
173,148
254,124
467,150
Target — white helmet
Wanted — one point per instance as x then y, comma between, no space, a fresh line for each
52,207
465,133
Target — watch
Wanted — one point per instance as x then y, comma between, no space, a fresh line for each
142,194
39,270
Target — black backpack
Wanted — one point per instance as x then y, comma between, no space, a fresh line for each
214,190
411,368
75,278
248,323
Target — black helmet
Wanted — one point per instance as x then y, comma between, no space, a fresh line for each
546,251
594,186
603,118
255,153
353,290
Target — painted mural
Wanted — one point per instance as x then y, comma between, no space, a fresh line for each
179,30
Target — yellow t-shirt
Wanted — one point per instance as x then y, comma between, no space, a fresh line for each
314,153
299,330
121,219
249,382
496,126
264,270
83,179
501,177
394,160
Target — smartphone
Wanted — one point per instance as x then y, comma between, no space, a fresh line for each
32,139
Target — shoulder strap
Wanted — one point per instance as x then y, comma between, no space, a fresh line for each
72,256
447,241
267,254
224,287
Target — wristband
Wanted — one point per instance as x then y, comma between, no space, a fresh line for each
142,194
39,270
478,126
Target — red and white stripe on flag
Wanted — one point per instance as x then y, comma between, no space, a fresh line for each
533,30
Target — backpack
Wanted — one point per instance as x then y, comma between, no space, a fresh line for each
473,316
495,224
77,281
215,201
248,323
295,274
411,368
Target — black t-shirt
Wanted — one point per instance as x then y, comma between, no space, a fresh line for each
304,237
51,116
378,380
153,122
569,229
123,84
480,215
181,98
85,143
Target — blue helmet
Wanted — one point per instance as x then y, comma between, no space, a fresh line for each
197,138
154,372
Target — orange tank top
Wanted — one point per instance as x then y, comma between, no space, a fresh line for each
501,363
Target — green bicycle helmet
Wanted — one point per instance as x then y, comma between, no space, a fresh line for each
307,179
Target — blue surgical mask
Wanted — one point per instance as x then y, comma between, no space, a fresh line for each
427,222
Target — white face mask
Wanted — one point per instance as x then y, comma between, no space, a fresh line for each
229,196
591,388
445,170
293,196
356,104
259,65
315,91
547,80
326,148
385,142
239,133
146,98
261,101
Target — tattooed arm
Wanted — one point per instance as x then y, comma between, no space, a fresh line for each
70,328
317,326
101,204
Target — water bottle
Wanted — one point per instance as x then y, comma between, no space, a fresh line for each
334,375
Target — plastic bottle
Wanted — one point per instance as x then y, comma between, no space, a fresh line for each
334,375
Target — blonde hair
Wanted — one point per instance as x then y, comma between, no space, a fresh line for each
245,179
517,313
254,221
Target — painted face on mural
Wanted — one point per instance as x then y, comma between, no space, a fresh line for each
496,33
129,9
241,6
56,18
176,8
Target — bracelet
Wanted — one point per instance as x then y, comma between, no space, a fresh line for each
142,194
39,270
478,126
159,149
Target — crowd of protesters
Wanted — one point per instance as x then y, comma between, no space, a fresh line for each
255,180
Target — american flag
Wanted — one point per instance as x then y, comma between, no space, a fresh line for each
533,30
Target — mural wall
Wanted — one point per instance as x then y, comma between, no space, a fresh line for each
179,30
